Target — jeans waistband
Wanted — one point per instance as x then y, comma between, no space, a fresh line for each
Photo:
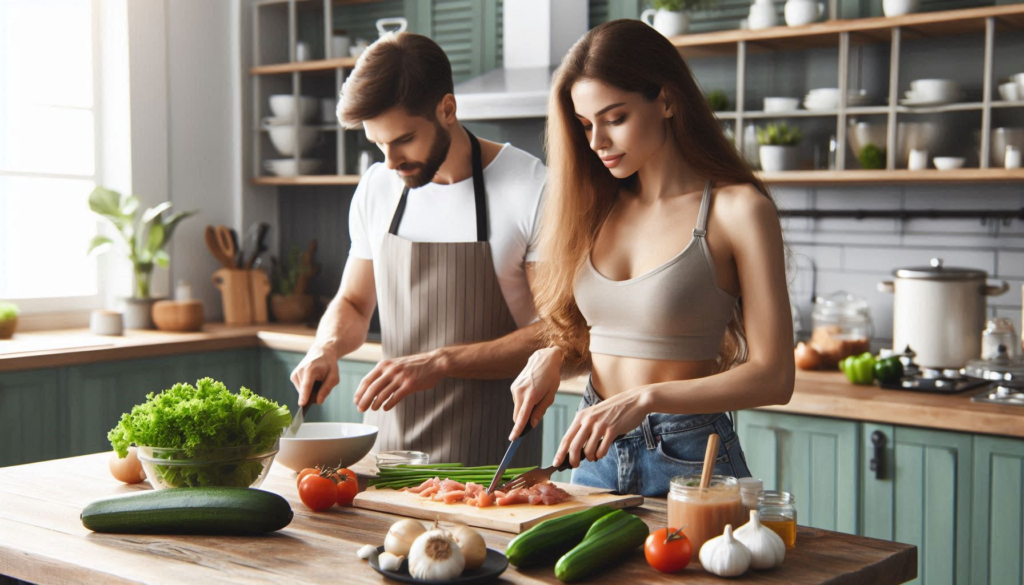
656,424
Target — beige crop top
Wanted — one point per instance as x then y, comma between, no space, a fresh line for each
673,312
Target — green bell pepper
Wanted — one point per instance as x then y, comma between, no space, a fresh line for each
859,368
888,370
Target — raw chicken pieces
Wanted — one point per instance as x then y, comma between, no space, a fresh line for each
450,491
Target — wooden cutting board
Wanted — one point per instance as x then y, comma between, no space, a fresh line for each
514,519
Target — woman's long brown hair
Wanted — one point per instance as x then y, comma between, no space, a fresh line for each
632,56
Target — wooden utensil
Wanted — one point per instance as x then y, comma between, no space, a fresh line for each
709,460
227,240
212,243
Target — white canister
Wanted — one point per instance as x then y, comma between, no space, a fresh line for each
900,7
801,12
668,22
775,158
762,15
340,45
1012,157
106,322
918,159
939,312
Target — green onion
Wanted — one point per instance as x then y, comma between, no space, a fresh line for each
407,475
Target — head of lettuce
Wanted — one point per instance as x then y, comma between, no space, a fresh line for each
215,435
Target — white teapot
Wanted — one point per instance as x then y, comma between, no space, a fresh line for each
667,22
762,14
800,12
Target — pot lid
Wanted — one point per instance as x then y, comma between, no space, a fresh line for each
1000,368
939,272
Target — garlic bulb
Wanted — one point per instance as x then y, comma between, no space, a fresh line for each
766,548
724,555
401,536
390,562
367,551
435,556
474,549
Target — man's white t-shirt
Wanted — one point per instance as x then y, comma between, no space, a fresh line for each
514,182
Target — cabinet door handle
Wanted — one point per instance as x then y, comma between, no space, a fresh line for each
878,461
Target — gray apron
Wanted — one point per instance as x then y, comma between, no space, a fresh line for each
433,295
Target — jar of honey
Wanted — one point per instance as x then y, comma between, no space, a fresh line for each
777,511
703,513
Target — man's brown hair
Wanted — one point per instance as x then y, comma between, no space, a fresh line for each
403,69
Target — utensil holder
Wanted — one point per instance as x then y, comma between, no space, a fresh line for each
236,295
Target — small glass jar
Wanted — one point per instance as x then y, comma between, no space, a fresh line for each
777,511
703,513
750,490
394,458
841,327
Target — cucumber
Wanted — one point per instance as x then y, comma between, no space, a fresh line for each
200,510
550,539
608,541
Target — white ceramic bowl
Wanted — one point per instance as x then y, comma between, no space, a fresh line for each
285,167
283,138
326,443
934,90
781,104
283,106
948,163
1011,91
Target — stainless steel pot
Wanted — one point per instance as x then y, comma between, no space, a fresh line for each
940,312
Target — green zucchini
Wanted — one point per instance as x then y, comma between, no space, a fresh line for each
199,510
607,541
550,539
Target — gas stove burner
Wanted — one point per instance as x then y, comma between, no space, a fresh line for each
943,385
936,373
1001,394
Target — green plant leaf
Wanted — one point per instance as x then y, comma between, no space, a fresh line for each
130,205
155,241
153,212
99,245
172,223
162,258
105,202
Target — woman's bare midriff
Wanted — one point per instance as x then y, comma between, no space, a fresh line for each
613,374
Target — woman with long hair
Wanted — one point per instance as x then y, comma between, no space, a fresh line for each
662,270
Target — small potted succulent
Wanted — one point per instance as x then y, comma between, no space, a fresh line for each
669,16
143,239
8,319
778,147
290,302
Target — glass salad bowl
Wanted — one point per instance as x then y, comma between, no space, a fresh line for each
242,466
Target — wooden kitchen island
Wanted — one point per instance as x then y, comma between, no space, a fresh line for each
42,540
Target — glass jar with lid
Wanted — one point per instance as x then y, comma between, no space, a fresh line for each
777,510
841,327
702,513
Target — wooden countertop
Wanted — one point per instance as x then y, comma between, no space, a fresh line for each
42,540
816,393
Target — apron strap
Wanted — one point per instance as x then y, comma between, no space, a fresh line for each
479,195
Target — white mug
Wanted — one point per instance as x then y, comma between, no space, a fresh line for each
1012,160
918,160
900,7
340,45
800,12
762,15
302,51
668,22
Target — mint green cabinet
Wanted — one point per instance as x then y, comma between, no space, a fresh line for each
997,527
276,369
31,424
812,458
556,421
923,497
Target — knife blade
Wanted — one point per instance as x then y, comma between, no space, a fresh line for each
512,448
293,430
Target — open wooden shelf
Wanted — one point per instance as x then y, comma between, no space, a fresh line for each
325,65
308,180
893,177
864,30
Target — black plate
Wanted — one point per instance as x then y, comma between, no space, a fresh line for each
494,565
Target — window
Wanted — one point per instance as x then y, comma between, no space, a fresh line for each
48,154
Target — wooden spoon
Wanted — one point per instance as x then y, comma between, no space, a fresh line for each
709,460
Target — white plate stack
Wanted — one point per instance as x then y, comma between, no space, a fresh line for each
932,92
827,98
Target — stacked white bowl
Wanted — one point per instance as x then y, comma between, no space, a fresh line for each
827,98
932,92
1013,90
286,129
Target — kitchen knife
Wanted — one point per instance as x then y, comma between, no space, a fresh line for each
512,448
300,415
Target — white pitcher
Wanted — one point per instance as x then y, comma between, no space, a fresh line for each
762,14
667,22
398,21
800,12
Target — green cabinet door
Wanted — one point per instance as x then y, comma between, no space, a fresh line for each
276,369
235,368
275,376
556,421
32,425
923,497
96,396
997,534
813,458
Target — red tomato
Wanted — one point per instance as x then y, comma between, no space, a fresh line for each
318,493
348,487
668,550
305,472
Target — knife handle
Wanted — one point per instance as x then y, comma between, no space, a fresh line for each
312,396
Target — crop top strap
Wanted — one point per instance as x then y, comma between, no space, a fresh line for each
702,215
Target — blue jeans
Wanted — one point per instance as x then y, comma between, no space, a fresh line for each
645,460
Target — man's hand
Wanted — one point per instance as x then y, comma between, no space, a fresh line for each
320,363
392,380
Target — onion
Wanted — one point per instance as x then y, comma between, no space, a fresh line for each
806,357
129,469
401,535
474,549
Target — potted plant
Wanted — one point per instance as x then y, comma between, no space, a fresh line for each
289,302
778,147
143,239
8,319
669,16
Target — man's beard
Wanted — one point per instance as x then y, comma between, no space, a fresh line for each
438,152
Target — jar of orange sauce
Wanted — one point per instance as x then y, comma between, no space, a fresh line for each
703,513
